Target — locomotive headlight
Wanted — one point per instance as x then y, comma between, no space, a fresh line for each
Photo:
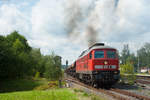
98,66
105,62
113,66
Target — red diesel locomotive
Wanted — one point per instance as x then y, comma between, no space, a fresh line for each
98,66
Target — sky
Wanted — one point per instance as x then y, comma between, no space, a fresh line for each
43,23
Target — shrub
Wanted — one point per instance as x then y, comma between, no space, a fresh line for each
78,90
49,85
85,94
37,75
94,97
127,73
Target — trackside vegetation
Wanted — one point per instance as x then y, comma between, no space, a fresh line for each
59,94
53,94
127,73
138,59
131,63
19,60
41,89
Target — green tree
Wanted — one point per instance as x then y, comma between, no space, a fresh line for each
125,54
39,61
144,55
4,52
22,66
15,35
127,72
53,67
14,56
19,60
133,60
18,47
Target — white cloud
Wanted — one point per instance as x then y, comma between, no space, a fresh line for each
43,25
130,23
47,29
11,18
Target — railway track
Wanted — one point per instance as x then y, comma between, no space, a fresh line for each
139,97
117,94
143,81
147,77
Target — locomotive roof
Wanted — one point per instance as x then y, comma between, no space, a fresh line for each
95,46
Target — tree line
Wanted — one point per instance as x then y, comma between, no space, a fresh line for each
139,59
19,60
132,62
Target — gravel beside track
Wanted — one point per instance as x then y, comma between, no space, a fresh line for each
116,94
132,94
101,92
145,77
143,81
90,91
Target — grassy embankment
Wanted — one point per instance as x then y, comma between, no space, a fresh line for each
40,90
62,94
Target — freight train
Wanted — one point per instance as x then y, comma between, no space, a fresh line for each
97,66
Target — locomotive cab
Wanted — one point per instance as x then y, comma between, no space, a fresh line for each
98,64
105,65
106,59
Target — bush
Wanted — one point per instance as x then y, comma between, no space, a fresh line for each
42,87
37,75
49,85
127,73
94,97
77,90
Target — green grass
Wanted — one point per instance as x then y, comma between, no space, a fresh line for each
142,74
33,90
85,94
94,97
19,85
77,90
58,94
40,89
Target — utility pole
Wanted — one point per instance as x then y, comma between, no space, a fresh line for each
138,64
66,63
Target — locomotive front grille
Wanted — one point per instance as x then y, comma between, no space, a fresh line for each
107,75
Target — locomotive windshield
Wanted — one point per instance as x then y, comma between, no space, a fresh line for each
99,54
111,54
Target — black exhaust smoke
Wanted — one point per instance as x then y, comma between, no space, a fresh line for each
79,21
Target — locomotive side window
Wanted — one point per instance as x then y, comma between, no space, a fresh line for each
111,54
99,54
90,55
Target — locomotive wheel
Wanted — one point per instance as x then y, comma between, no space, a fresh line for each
107,86
95,84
